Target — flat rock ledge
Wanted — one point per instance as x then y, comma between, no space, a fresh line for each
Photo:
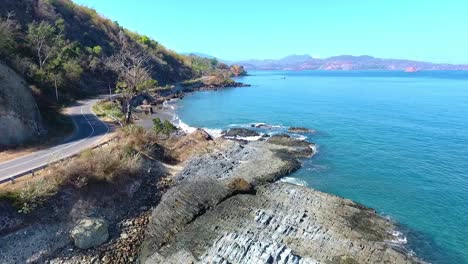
227,207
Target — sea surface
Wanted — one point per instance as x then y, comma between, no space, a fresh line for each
393,141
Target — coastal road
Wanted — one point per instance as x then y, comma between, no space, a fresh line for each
89,130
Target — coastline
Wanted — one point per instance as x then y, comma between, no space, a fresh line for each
238,206
397,239
226,199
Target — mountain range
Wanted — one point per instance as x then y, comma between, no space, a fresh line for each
343,62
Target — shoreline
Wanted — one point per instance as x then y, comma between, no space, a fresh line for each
225,200
169,112
261,172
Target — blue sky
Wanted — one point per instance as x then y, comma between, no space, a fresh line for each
430,30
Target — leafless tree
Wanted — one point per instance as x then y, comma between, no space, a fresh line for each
46,40
134,74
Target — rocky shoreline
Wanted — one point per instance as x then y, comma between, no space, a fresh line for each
224,206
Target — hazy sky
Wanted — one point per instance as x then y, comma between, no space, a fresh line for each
432,30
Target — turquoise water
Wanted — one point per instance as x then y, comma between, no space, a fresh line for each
397,142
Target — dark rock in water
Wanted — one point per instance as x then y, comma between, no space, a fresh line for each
240,132
300,148
260,125
300,130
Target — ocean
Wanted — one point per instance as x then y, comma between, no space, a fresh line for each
393,141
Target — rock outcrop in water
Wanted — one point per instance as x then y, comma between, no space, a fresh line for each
226,208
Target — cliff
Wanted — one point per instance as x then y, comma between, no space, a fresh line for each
20,119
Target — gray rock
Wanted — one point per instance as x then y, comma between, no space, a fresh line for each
284,223
240,132
90,232
298,147
300,130
212,215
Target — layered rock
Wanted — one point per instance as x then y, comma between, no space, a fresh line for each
20,119
226,209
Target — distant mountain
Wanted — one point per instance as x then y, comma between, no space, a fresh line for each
344,62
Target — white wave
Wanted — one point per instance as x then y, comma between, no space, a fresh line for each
399,238
264,125
301,137
215,133
254,138
294,181
182,126
314,148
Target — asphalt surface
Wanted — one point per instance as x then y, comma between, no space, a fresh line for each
89,131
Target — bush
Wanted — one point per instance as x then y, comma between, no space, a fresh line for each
109,108
7,35
163,127
97,50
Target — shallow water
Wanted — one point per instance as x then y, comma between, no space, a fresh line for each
397,142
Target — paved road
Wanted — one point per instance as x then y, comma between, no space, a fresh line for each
89,130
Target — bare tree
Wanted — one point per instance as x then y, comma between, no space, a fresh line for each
134,75
46,41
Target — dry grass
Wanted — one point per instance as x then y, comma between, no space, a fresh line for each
120,161
113,164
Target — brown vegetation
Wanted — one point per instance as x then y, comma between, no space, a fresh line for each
129,155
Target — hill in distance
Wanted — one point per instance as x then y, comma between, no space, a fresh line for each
344,62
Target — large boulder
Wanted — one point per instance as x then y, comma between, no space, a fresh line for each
90,232
20,119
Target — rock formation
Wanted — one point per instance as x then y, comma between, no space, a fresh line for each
226,208
20,119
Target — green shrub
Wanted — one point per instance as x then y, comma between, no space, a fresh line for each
97,50
163,127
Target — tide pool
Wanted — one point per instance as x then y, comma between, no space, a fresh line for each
393,141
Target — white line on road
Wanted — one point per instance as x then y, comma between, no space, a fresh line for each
91,134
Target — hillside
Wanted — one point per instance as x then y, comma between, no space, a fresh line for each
344,62
87,39
65,51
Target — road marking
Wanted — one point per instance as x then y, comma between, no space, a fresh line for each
49,154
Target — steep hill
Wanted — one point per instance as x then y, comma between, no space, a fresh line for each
87,40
